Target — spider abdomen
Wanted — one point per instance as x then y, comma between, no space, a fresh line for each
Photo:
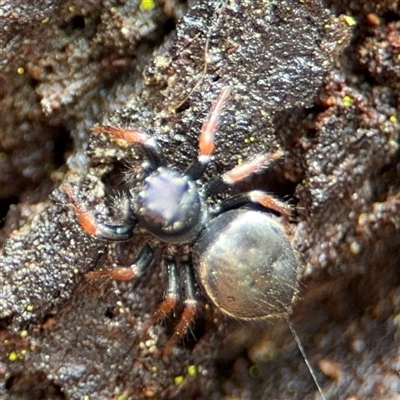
247,266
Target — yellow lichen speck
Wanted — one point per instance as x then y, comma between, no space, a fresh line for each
350,21
23,334
347,101
147,5
179,379
13,356
192,370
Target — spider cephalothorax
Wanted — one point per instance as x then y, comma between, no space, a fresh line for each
168,205
242,258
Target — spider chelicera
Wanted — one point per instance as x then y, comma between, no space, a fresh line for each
242,258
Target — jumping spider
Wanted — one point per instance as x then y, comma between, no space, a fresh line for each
242,258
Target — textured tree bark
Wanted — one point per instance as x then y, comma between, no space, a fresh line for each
320,87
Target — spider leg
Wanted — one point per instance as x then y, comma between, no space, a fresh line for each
143,260
257,197
241,172
171,295
151,148
206,137
94,228
171,299
189,311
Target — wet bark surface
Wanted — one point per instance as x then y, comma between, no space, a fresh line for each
319,81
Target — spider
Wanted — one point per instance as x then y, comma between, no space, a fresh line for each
241,258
